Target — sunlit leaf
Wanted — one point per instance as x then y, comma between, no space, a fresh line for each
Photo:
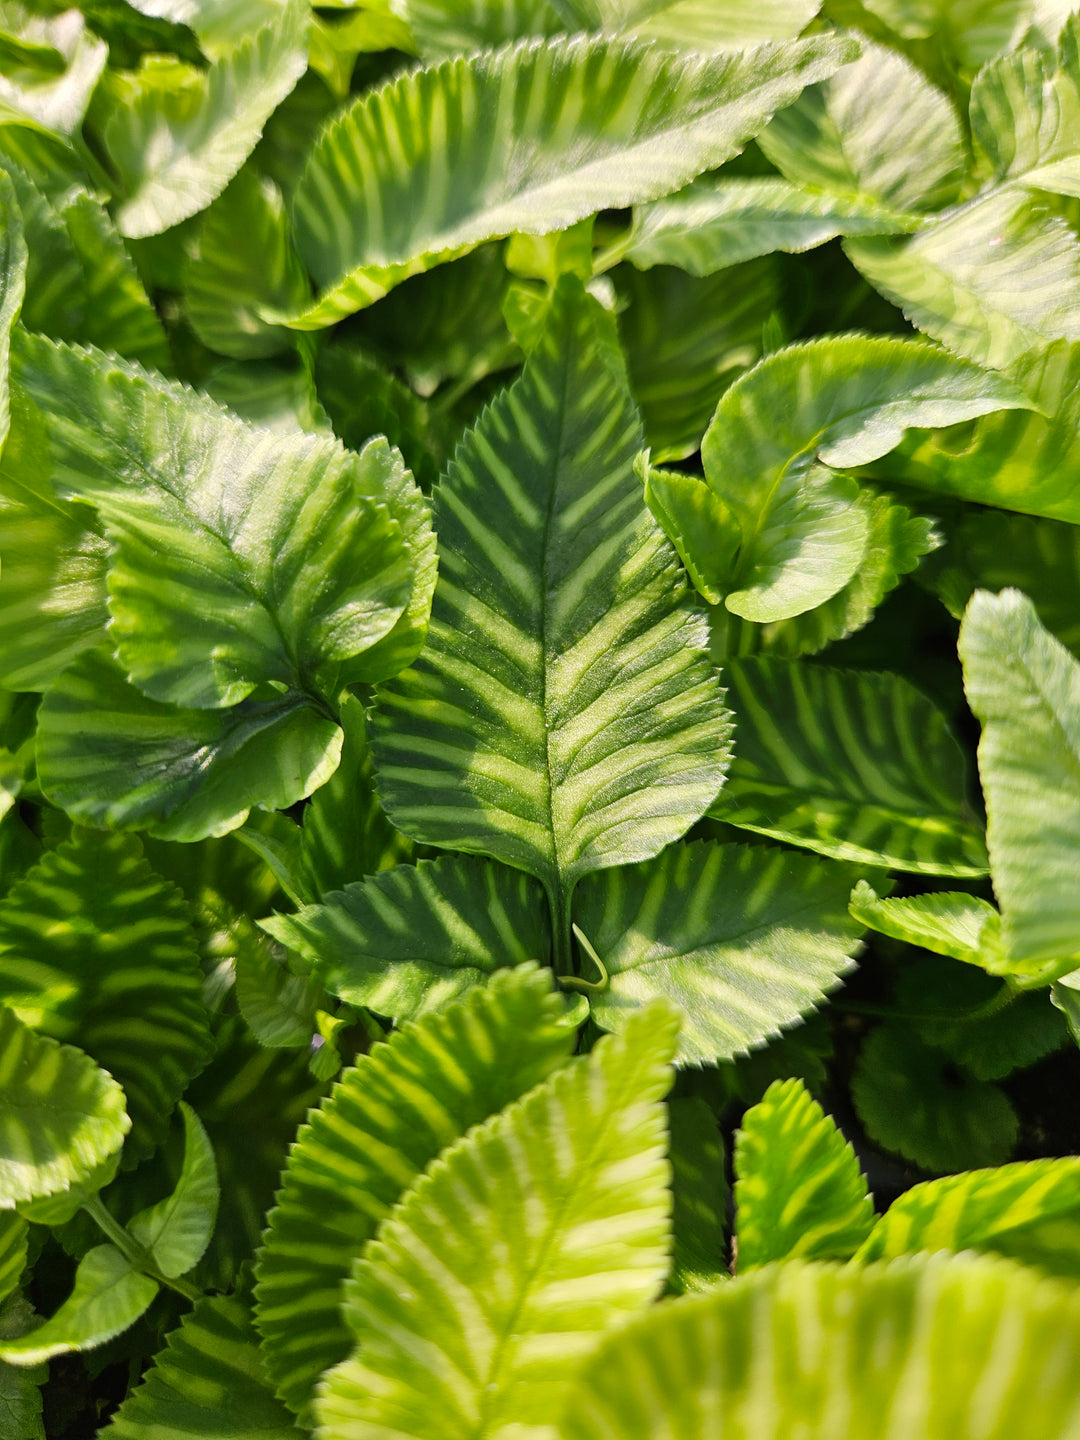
109,1295
177,1230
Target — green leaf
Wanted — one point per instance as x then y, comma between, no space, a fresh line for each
446,27
13,1231
211,586
207,1384
1017,460
346,835
991,279
96,948
846,402
686,340
62,1116
912,1100
108,1297
61,64
226,284
852,764
361,1150
877,132
1029,1212
720,221
20,1393
697,24
111,757
697,522
948,923
563,716
176,136
801,1349
279,1007
416,937
744,939
12,287
799,1192
497,1276
177,1230
273,396
1065,997
699,1196
368,215
1025,688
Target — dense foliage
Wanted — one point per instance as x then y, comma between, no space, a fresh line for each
539,719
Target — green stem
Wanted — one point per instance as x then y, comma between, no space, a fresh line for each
132,1251
1000,1000
575,982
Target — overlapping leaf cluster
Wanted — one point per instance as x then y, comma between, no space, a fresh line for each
539,593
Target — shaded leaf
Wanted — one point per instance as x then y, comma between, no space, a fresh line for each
13,262
278,1007
12,1251
446,27
108,1297
699,1196
177,1230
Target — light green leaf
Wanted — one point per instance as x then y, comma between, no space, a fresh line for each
699,525
273,396
62,1116
498,1275
227,283
799,1191
12,288
1018,460
699,1196
876,132
563,716
991,279
934,1347
844,401
992,551
97,949
335,42
850,763
446,27
744,939
948,923
62,63
912,1100
13,1230
249,557
346,835
1025,688
1067,1000
384,1123
686,340
368,215
1029,1212
416,937
697,24
207,1384
969,32
177,1230
720,221
111,757
176,136
278,1006
108,1297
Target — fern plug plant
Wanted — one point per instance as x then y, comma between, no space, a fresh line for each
539,720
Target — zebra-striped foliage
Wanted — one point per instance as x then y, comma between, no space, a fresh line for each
853,764
498,1275
416,937
530,138
696,24
448,27
799,1192
97,949
388,1119
745,939
925,1348
563,715
13,1232
948,923
1028,1211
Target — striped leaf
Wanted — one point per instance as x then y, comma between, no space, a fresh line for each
496,1277
1029,1212
697,24
382,1125
1025,688
176,141
207,1384
279,1007
62,61
929,1348
799,1193
846,401
446,27
61,1118
13,1231
699,1196
416,937
108,1296
12,288
112,758
97,949
176,1231
745,940
913,1101
852,764
722,221
877,132
248,558
948,923
226,282
563,716
369,214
